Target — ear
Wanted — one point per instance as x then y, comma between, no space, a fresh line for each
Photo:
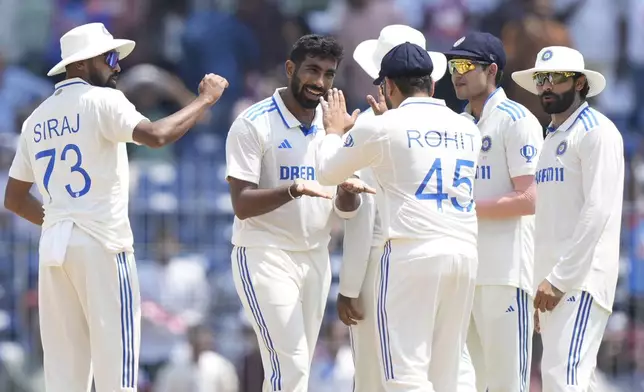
390,86
493,69
580,83
433,89
290,68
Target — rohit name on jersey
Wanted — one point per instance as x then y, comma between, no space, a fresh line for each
550,174
54,127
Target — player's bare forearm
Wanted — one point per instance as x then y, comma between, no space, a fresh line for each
21,202
249,201
170,129
346,201
519,202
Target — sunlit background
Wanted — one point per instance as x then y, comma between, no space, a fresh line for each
180,209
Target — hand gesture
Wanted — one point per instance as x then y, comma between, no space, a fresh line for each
548,296
537,323
349,310
379,106
309,188
336,119
212,88
356,185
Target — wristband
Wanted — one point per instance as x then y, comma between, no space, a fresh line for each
291,194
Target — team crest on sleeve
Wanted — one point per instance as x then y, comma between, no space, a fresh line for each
562,147
547,55
486,144
348,142
528,152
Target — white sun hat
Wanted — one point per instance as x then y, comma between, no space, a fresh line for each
560,59
369,53
87,41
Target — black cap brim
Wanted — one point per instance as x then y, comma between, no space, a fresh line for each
378,81
459,53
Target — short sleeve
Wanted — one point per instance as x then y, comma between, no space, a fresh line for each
117,115
523,142
244,152
21,166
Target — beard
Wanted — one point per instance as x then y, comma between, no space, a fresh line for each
98,80
298,93
560,102
388,102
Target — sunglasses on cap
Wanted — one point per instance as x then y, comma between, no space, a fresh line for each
553,78
463,66
112,58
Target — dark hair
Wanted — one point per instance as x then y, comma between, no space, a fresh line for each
411,85
315,45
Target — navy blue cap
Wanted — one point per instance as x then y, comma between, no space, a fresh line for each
479,46
405,60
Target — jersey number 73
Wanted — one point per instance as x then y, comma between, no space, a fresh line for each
436,170
76,168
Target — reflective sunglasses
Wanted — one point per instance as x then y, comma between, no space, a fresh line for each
553,78
463,66
112,58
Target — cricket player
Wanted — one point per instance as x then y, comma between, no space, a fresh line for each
363,234
580,183
73,147
423,156
280,258
500,333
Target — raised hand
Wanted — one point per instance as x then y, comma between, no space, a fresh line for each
336,119
212,88
379,106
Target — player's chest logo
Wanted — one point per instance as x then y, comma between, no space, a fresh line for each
486,143
294,159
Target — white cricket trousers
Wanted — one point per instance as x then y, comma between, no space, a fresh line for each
364,335
90,318
284,295
423,309
499,339
571,334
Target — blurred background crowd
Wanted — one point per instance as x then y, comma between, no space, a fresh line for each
194,336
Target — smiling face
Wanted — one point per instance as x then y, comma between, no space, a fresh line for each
311,79
470,78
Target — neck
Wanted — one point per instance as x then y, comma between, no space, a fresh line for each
477,103
71,75
305,116
560,118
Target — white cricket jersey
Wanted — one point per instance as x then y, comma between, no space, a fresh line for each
580,185
511,142
73,147
424,158
269,147
361,234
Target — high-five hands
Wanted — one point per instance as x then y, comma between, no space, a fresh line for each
356,185
336,119
308,188
379,106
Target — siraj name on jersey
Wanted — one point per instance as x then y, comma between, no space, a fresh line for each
54,127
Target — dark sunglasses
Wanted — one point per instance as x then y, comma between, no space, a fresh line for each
112,59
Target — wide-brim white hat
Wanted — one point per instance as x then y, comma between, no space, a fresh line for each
369,53
87,41
560,59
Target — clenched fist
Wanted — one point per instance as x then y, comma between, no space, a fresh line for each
212,88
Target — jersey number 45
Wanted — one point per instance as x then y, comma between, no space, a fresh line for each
440,196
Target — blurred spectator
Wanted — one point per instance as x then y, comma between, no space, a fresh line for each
523,39
199,369
19,88
175,295
251,369
361,20
332,368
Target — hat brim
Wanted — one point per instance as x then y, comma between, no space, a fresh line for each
363,55
459,53
123,46
596,81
